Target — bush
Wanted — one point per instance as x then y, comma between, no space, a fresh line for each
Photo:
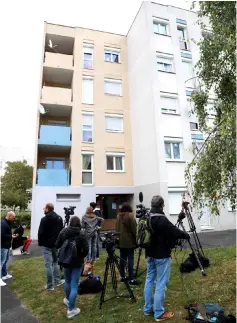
21,216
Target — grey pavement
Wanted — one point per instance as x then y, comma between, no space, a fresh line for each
13,310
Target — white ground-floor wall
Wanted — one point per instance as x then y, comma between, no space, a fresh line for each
79,196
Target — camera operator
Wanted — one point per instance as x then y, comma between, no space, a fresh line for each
50,226
158,255
126,225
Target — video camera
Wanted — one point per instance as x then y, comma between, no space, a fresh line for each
68,212
141,211
109,241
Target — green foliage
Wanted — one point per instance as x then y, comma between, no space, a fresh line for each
21,217
213,170
16,185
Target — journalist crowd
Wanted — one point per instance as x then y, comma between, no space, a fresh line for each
72,247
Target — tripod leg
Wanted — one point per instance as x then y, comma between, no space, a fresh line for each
138,262
102,296
116,262
113,276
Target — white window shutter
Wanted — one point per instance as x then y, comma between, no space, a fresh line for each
175,201
169,103
87,91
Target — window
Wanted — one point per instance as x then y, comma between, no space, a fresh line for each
88,56
55,164
169,104
183,39
112,56
87,127
114,123
197,146
175,202
160,27
172,150
68,197
193,125
115,162
113,87
87,168
211,110
230,208
165,64
187,70
87,90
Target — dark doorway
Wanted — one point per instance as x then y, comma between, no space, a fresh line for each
110,205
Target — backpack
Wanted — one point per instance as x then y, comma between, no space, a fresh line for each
144,231
91,285
68,252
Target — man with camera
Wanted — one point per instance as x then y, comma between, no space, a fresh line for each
158,255
50,226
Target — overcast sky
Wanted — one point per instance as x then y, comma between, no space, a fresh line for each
21,26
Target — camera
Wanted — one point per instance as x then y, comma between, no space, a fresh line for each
68,212
141,211
109,241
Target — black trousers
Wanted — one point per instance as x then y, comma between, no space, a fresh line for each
127,256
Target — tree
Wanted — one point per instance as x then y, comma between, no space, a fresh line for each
213,170
16,184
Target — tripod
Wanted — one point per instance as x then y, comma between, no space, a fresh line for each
138,263
111,263
197,250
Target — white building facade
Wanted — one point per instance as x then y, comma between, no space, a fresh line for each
162,55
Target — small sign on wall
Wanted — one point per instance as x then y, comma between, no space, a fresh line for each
114,206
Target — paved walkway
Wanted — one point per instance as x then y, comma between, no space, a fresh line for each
13,310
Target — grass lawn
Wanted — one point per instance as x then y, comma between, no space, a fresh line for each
218,287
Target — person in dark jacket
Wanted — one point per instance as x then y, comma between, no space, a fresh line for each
72,272
50,227
6,241
20,240
126,225
163,238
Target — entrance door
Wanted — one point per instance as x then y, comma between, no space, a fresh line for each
205,221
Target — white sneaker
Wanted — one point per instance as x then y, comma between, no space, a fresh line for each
65,302
2,283
74,312
8,276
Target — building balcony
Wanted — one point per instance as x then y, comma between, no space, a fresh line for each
58,60
53,177
56,95
55,136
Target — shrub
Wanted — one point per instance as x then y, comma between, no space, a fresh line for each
21,216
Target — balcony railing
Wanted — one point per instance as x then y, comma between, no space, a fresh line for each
55,135
56,95
53,177
58,60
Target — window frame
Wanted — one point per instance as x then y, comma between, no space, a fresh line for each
120,116
194,122
91,154
185,39
174,191
118,81
114,155
91,47
168,57
91,78
92,127
112,51
195,148
157,21
172,142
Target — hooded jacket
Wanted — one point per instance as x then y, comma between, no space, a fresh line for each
90,223
81,242
126,225
50,226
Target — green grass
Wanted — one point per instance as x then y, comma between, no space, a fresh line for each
218,287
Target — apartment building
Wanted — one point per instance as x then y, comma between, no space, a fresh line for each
118,118
84,148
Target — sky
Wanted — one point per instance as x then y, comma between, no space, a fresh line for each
22,26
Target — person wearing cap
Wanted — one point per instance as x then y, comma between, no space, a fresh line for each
158,256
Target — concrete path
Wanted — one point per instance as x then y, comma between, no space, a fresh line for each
13,310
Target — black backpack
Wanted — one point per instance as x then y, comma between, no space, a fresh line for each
91,285
68,252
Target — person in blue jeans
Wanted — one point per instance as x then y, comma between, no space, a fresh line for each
158,256
6,240
72,271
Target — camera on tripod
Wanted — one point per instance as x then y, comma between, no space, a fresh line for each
68,212
109,241
141,211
